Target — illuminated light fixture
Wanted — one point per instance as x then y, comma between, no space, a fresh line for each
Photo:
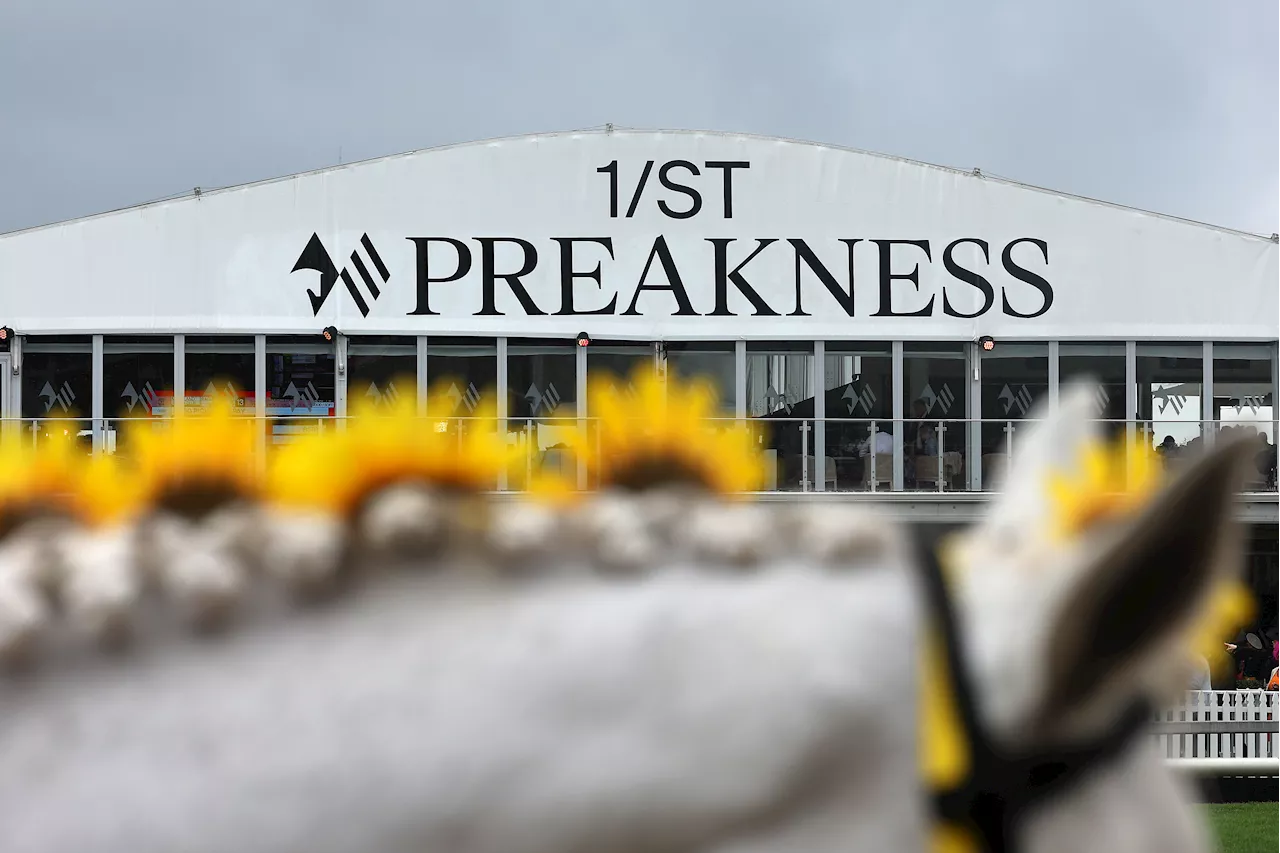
584,340
6,334
330,333
987,342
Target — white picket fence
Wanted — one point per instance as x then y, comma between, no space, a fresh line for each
1222,732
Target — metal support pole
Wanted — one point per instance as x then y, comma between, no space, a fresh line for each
1131,389
179,401
1054,376
580,378
340,379
896,482
260,396
501,404
1208,429
1275,394
15,375
973,424
424,378
941,474
528,452
740,380
804,456
96,407
871,457
819,380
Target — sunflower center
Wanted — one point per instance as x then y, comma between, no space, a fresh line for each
653,470
196,498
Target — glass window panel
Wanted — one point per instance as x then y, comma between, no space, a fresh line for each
710,362
542,381
1102,364
381,380
465,371
300,393
1244,401
219,366
1169,379
616,361
542,407
858,394
780,392
935,397
57,386
1243,388
135,386
779,378
1015,379
613,364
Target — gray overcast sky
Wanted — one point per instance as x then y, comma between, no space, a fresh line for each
1163,104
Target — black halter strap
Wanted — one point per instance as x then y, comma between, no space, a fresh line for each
1002,784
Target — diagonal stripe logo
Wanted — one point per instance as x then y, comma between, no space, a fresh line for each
147,397
1020,399
383,396
1101,399
1253,403
63,396
946,398
470,397
859,400
316,257
941,399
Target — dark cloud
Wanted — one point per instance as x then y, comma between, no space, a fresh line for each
1170,106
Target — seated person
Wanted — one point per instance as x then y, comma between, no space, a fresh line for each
926,443
883,441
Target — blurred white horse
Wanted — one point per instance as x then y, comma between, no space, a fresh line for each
635,674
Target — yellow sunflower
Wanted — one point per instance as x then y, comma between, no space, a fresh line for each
191,463
335,471
1111,482
468,452
37,477
1117,481
1229,608
663,434
106,491
314,471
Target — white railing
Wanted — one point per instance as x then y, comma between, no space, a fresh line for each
799,454
1222,733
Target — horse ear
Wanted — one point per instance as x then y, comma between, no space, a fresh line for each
1145,585
1048,445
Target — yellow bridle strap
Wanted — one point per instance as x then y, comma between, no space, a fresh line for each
944,755
944,759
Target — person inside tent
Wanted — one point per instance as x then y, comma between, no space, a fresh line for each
1254,661
1265,461
882,441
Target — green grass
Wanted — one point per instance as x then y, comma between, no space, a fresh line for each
1245,827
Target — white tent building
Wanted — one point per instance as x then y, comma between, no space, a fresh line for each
833,292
